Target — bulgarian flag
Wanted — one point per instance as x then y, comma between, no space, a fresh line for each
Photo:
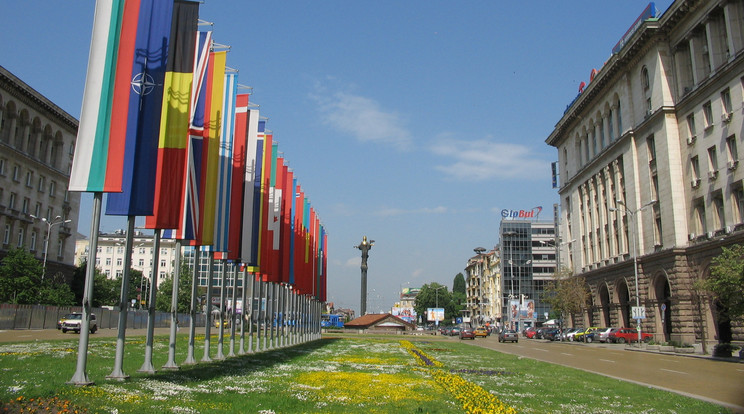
98,162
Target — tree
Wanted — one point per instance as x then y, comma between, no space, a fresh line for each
165,291
20,277
458,285
435,295
566,294
726,286
56,291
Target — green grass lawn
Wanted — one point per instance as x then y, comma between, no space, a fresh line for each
339,374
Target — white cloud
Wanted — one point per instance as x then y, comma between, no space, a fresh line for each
484,160
388,212
353,262
364,118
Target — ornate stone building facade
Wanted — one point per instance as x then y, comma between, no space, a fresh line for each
648,159
37,141
483,288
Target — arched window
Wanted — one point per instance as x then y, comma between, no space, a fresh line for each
644,78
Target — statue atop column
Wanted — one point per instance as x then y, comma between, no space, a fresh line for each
365,247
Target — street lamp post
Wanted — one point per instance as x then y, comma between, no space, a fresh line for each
635,254
53,222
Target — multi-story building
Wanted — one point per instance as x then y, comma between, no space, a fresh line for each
37,142
648,158
528,264
111,254
483,287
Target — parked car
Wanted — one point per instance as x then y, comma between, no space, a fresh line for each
481,331
552,334
63,319
569,335
508,335
530,332
586,335
541,332
604,333
75,321
467,333
628,335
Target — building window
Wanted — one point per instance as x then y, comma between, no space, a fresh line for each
108,261
141,263
2,166
644,79
20,237
141,250
738,195
109,249
712,162
732,153
619,120
162,263
24,208
6,236
610,125
695,170
29,179
52,188
42,183
118,261
691,134
17,173
699,217
718,214
728,109
60,247
708,114
50,213
651,148
11,201
33,240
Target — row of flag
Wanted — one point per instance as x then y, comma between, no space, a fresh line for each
164,131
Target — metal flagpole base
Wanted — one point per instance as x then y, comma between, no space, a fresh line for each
80,379
117,376
147,368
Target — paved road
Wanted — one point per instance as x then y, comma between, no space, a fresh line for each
720,382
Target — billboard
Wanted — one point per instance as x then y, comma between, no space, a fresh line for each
522,311
406,313
435,314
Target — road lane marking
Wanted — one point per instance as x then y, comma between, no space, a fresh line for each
607,360
673,371
540,349
565,353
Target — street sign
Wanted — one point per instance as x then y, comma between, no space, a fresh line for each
638,312
663,307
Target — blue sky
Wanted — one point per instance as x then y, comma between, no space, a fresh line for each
413,123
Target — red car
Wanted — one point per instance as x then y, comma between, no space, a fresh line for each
530,332
628,335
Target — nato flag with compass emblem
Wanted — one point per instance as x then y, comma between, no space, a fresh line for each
143,111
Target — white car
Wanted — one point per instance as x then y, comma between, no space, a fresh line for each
603,334
75,320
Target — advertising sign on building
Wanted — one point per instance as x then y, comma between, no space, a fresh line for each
435,314
408,314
